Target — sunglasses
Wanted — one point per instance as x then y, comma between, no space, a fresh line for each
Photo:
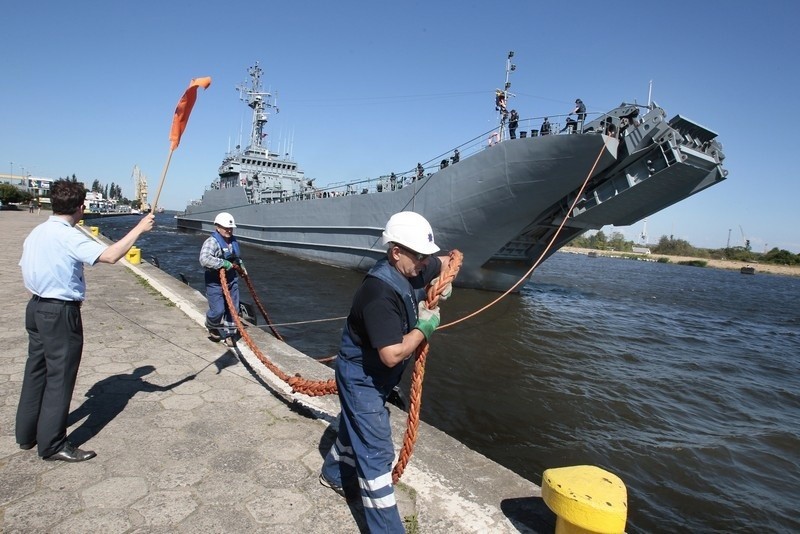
414,254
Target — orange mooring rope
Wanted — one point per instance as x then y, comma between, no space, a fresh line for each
415,398
312,388
542,255
258,303
316,388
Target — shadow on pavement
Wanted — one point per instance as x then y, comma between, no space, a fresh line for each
108,398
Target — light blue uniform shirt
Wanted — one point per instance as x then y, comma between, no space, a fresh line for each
52,260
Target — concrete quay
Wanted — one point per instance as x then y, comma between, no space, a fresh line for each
194,437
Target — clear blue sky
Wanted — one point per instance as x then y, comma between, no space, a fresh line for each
365,88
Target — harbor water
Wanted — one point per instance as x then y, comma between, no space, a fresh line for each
683,381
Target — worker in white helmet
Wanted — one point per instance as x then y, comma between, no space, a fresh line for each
388,320
221,251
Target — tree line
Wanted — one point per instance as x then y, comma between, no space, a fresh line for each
670,246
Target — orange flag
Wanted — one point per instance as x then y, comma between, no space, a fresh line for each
184,109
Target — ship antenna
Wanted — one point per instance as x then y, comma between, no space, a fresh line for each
650,94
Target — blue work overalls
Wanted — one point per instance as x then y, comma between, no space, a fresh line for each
218,317
364,445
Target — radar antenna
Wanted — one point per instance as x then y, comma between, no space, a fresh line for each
260,102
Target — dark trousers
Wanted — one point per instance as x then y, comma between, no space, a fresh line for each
55,344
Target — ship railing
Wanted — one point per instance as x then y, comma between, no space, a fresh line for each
401,179
559,125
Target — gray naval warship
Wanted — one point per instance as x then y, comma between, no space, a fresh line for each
505,203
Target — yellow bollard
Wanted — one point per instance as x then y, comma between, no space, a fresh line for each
95,230
134,256
585,499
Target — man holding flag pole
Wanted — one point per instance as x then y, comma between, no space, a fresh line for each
52,268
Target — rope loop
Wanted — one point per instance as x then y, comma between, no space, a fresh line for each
415,397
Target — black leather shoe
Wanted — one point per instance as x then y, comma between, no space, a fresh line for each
70,453
27,446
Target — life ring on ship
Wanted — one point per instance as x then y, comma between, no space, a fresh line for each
494,139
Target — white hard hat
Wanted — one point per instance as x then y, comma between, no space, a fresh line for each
225,220
410,230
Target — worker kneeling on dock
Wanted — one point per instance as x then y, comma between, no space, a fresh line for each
387,322
221,251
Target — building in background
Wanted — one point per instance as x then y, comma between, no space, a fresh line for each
39,188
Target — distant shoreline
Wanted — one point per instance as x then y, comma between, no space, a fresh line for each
786,270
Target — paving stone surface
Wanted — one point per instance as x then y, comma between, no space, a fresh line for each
192,436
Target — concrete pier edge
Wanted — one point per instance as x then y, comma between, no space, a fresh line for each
446,487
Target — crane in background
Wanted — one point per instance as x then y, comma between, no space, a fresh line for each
140,188
745,241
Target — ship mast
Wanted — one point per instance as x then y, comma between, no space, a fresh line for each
510,67
260,102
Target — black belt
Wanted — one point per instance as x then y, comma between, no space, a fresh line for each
77,303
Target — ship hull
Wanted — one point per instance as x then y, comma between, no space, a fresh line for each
477,206
507,207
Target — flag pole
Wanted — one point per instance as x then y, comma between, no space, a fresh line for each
179,121
161,183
